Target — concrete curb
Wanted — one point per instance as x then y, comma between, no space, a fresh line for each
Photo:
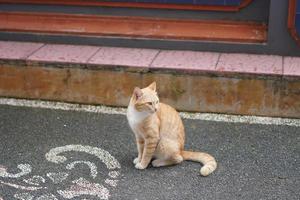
113,85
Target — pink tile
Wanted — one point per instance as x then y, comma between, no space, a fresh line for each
17,50
64,53
291,66
190,60
124,56
250,63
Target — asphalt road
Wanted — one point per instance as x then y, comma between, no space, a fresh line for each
254,161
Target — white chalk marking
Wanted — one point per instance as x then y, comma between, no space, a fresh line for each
24,196
91,165
104,156
84,187
122,111
110,182
25,169
21,186
113,174
81,186
57,177
35,180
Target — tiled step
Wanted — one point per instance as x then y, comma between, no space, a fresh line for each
192,81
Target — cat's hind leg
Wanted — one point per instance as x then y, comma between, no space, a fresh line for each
167,153
173,160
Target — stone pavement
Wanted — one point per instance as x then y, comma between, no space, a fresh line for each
55,154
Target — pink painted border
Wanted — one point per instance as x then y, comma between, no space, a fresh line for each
250,63
190,61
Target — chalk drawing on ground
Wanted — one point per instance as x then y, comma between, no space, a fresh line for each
57,177
30,186
35,180
91,165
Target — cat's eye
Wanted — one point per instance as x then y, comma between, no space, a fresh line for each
151,103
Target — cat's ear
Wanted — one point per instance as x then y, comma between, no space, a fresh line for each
137,92
152,86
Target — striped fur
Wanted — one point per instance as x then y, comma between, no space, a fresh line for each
159,133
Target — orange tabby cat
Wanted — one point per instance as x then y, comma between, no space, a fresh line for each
159,133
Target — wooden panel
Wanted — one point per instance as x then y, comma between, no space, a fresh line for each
185,2
294,19
207,6
136,27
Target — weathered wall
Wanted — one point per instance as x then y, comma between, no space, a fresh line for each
250,95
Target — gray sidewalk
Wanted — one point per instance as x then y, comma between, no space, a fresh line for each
255,161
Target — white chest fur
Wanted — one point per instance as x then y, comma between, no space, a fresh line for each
134,117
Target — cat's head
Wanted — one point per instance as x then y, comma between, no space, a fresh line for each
146,99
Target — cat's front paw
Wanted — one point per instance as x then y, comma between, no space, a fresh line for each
140,166
136,161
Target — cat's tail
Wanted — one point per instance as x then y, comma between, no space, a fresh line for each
208,161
